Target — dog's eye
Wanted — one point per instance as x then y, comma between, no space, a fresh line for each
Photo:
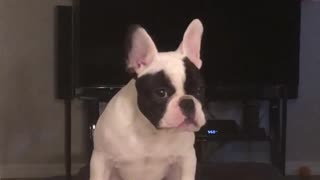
162,93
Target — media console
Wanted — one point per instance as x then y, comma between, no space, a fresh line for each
276,96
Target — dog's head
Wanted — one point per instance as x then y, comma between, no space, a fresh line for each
169,86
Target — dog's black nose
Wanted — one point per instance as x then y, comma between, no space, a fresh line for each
187,107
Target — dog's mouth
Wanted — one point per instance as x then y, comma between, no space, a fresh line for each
189,124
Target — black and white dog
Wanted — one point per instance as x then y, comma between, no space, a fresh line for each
146,132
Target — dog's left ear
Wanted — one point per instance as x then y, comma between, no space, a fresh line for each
191,42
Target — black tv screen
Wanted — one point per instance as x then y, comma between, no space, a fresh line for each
245,43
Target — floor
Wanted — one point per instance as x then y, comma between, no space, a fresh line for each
297,178
286,178
216,171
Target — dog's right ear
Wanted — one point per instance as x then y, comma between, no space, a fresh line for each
191,42
141,50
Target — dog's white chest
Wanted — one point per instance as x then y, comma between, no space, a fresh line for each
142,157
135,159
144,168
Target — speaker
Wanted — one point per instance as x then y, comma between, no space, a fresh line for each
64,59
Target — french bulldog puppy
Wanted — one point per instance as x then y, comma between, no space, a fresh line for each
146,131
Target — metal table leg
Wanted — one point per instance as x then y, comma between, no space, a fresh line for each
67,142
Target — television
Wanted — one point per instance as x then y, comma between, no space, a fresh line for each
247,46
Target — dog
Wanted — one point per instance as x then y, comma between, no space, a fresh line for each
146,131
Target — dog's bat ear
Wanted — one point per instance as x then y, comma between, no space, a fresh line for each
191,42
141,49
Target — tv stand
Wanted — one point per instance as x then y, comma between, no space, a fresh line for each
276,96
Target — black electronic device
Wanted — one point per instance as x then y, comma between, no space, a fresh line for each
229,130
219,129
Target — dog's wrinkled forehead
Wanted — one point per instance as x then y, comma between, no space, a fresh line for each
173,67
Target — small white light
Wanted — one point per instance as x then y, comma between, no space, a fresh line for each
93,127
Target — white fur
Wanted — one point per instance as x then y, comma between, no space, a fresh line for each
125,140
127,146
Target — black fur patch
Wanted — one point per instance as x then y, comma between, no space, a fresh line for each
194,84
150,101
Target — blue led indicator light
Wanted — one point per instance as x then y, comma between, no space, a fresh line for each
212,132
